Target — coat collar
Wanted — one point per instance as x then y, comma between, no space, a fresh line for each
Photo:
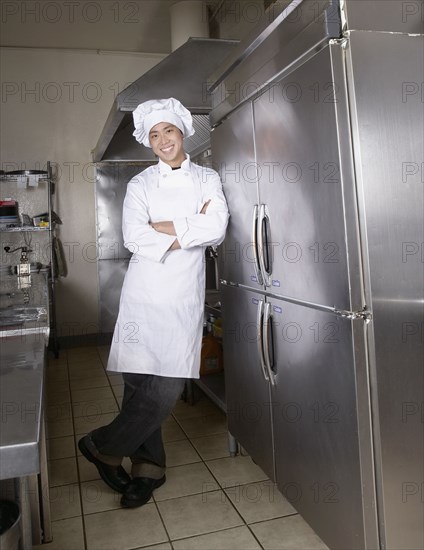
166,169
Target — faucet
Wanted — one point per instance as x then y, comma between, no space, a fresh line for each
24,249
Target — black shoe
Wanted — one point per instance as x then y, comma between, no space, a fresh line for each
139,491
114,476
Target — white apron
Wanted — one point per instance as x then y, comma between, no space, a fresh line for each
160,321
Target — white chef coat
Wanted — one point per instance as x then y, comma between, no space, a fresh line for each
160,320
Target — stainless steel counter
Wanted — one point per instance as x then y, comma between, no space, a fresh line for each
21,397
24,332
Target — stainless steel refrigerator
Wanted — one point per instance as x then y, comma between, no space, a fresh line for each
318,137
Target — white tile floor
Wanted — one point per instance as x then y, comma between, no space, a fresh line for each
210,501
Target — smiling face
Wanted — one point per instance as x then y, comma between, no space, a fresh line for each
166,141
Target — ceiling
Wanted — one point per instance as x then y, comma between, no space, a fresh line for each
117,25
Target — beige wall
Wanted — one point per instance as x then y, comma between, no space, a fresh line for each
54,106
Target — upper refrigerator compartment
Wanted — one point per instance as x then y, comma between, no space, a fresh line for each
234,158
306,181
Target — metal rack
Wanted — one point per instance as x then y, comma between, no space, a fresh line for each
41,176
212,385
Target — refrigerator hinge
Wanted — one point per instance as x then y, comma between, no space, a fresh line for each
364,314
342,42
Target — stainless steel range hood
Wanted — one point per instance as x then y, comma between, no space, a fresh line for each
183,74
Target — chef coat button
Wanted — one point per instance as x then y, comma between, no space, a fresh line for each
165,175
186,173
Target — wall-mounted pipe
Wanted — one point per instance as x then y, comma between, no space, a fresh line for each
189,18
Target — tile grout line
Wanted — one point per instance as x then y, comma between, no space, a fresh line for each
218,531
78,467
163,523
217,481
76,460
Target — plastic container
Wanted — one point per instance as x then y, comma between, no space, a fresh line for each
10,525
211,355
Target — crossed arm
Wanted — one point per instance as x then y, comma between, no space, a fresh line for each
168,228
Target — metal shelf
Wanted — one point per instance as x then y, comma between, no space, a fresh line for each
15,179
22,229
213,385
45,177
15,175
215,311
215,296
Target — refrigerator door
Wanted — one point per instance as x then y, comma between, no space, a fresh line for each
386,75
234,159
246,386
317,451
300,181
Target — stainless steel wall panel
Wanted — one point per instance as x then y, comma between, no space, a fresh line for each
111,275
383,15
388,130
111,186
300,181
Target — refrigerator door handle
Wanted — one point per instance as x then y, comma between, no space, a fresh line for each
265,261
255,245
259,324
267,338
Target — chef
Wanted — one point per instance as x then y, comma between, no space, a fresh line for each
172,211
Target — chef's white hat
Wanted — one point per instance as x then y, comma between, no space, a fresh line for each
151,112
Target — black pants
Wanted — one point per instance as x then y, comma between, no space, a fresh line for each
136,432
